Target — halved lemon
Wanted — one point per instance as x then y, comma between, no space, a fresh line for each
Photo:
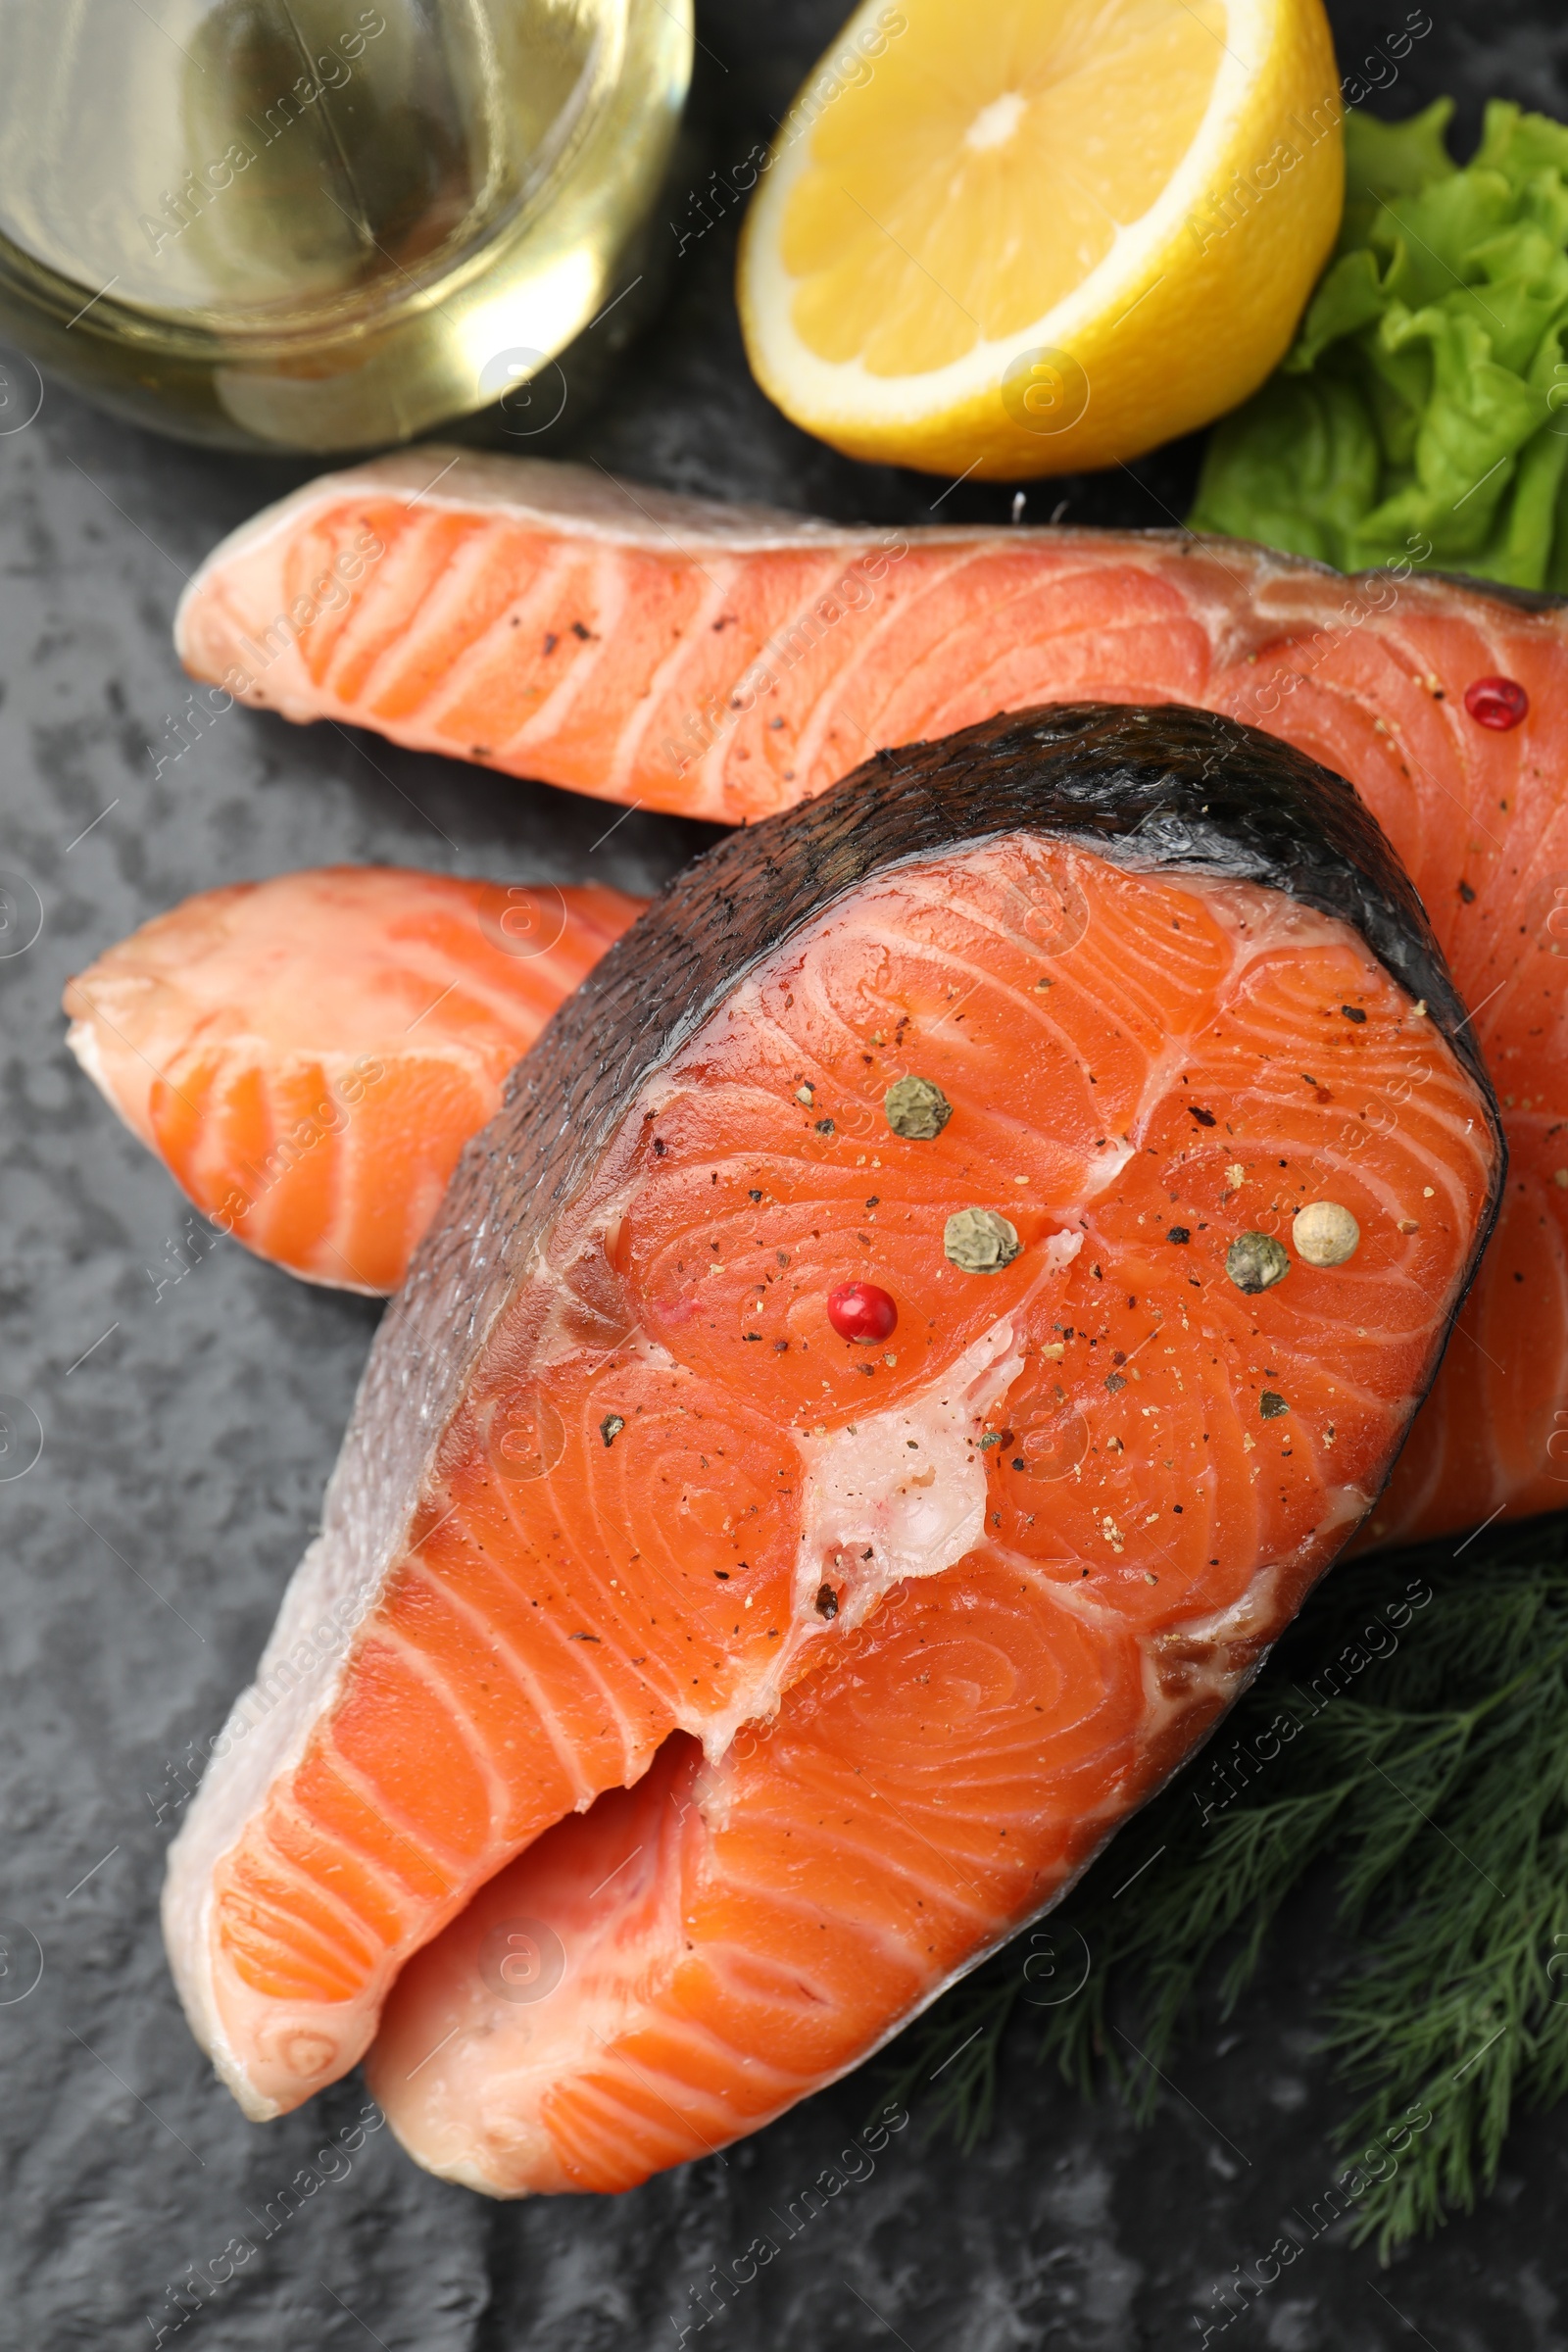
1028,237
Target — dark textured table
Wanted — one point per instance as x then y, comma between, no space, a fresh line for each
189,1402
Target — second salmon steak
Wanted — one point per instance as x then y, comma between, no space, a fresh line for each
927,1311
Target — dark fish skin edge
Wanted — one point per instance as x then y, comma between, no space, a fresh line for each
1523,600
1162,787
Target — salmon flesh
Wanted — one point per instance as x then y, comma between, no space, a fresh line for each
722,662
308,1055
865,1407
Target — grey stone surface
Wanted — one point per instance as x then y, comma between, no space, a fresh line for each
186,1434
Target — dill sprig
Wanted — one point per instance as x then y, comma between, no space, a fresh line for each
1410,1735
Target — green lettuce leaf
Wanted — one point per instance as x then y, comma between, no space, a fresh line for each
1422,414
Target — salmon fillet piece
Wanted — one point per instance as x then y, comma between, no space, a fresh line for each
617,1474
671,1970
723,661
308,1055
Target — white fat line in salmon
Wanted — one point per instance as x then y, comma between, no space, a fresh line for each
327,1640
852,2167
332,1115
852,592
1230,1774
870,1516
327,594
879,1626
873,1520
200,2283
1308,654
888,1500
1379,2162
1379,1115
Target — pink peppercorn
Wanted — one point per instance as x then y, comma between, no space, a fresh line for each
1500,702
858,1310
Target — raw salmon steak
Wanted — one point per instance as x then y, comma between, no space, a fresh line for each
309,1055
908,1205
722,662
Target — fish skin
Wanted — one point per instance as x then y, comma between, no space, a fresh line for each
308,1055
357,1683
931,629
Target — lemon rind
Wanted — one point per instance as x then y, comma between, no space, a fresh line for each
913,416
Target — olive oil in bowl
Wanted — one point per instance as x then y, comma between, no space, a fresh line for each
306,224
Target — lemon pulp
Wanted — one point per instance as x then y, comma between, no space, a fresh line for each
976,180
1035,236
